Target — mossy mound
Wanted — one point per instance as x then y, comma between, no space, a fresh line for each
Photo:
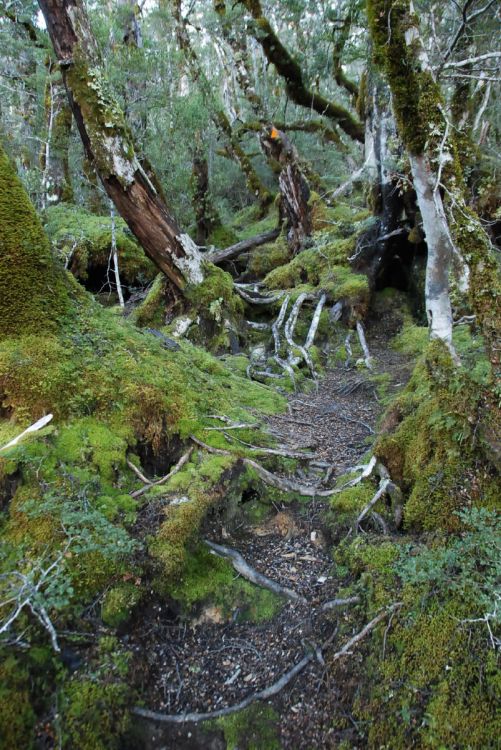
83,241
34,295
324,268
208,580
430,441
264,259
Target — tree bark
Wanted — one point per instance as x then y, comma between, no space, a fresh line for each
133,189
294,188
453,231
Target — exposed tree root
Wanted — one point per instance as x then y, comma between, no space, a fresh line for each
252,575
273,689
257,299
363,344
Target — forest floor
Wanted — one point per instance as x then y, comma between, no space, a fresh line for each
211,663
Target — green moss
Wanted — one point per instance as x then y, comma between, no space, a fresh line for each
17,718
94,705
427,442
411,340
29,277
437,687
83,241
119,603
209,580
222,237
268,257
254,728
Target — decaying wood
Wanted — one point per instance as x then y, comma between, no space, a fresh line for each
233,251
182,461
252,575
294,206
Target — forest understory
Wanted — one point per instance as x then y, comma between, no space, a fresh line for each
250,433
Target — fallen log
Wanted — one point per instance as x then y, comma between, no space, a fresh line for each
233,251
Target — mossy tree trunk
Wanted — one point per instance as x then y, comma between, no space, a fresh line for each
453,232
206,216
33,294
131,185
54,154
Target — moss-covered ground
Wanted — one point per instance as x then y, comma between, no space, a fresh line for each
91,554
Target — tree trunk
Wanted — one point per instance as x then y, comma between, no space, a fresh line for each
108,144
294,188
205,214
452,230
54,155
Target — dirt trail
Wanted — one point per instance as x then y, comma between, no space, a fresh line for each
214,665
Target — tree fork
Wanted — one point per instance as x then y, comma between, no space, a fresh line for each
109,145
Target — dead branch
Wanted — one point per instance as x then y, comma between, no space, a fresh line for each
32,428
138,472
345,651
184,459
233,251
334,603
252,575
